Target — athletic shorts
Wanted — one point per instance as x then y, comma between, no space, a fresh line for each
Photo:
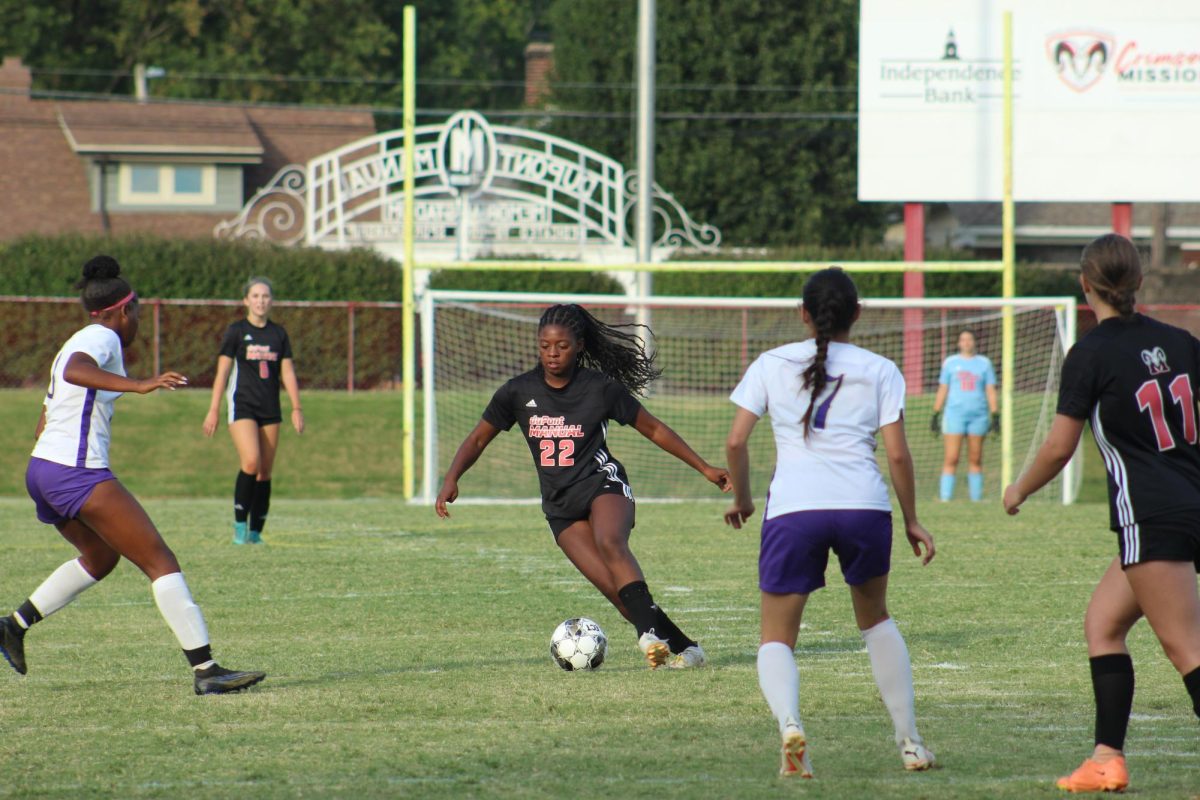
1172,537
795,548
59,491
973,423
558,524
261,416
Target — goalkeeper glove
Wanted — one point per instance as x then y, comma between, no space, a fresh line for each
996,423
935,423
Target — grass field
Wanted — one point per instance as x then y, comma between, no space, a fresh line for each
408,655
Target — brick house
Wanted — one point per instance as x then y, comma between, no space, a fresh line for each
168,168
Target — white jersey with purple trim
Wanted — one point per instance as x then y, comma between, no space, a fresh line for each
78,419
835,467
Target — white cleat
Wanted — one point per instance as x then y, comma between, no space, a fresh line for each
654,648
915,756
793,760
691,657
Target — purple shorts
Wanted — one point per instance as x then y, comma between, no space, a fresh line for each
59,491
795,548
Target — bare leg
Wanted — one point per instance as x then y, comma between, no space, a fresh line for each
244,433
1166,592
1111,614
579,545
268,444
117,518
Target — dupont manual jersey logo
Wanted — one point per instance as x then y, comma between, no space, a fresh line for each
1156,361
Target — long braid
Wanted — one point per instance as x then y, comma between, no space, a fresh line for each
831,299
612,349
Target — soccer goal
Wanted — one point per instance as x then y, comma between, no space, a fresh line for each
472,342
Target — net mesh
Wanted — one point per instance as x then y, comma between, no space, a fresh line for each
703,350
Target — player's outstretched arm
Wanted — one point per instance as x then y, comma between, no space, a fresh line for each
737,456
467,454
904,484
1051,457
224,367
671,442
82,370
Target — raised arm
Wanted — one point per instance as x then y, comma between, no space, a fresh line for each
900,467
468,453
287,375
224,365
737,456
1051,457
669,441
82,370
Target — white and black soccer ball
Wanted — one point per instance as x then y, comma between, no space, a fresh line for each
578,644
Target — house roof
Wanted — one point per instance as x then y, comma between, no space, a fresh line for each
153,128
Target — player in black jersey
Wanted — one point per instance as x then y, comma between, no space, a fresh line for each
586,375
259,354
1138,381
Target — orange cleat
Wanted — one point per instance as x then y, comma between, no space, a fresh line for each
1092,776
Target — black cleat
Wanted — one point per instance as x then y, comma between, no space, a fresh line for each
12,643
218,680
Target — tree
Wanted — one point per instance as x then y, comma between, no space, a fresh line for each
756,129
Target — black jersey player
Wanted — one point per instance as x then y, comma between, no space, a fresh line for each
259,355
1137,380
586,375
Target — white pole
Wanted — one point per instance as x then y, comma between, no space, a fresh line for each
645,151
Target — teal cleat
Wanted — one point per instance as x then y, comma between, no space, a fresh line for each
254,537
240,533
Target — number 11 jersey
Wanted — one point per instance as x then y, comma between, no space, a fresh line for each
1136,380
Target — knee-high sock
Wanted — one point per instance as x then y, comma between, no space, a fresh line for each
1192,682
243,496
946,486
1112,686
893,675
780,681
640,605
64,584
975,485
260,505
183,616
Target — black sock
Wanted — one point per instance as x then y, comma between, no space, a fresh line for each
243,496
1112,683
640,605
29,614
1192,682
666,629
260,506
199,656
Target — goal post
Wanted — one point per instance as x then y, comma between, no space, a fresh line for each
471,342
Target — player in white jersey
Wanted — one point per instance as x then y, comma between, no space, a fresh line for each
73,489
827,399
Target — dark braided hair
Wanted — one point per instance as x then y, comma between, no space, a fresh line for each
101,284
619,354
1112,266
831,300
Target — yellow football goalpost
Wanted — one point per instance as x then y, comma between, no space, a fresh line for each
1006,266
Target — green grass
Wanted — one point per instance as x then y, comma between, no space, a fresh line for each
408,658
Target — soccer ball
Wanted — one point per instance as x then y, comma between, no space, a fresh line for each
578,644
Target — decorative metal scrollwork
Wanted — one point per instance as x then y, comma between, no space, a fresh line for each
703,237
275,213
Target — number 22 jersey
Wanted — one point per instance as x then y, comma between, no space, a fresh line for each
567,431
1136,380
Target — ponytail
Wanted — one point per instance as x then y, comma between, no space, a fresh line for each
831,300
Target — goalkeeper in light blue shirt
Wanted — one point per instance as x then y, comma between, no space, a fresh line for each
967,392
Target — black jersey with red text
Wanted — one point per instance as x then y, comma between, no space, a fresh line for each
566,430
256,354
1137,380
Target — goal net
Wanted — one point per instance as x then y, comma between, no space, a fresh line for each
472,342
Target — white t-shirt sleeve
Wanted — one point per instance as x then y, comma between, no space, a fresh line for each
751,392
891,394
101,343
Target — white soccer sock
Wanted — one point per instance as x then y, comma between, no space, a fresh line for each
64,584
893,676
780,681
175,603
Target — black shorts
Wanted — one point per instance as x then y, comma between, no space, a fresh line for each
263,416
558,524
1171,537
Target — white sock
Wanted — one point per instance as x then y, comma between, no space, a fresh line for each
893,676
64,584
175,603
780,681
